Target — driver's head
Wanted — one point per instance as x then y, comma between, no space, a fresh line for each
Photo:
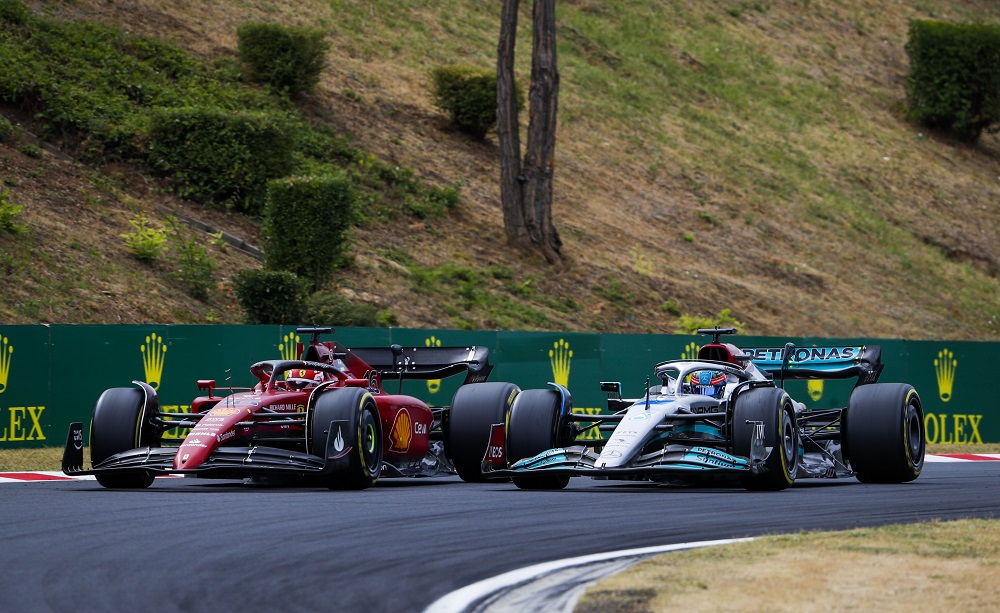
709,383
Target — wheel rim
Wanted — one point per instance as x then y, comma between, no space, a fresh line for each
788,443
369,443
914,436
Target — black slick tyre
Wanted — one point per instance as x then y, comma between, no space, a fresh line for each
117,426
536,426
474,409
770,407
359,427
884,433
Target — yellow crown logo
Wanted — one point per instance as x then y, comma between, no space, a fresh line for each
6,353
289,347
815,388
944,368
559,357
690,352
154,353
433,385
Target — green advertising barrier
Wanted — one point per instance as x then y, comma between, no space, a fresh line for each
51,375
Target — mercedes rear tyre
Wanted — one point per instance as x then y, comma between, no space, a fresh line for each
771,409
474,410
117,426
883,433
536,425
351,416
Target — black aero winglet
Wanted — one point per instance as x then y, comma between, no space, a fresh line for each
73,454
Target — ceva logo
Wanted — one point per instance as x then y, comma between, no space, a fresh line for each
944,369
154,353
559,357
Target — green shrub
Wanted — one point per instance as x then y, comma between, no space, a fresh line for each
14,12
271,296
954,79
724,319
8,131
287,58
220,156
469,96
10,213
334,309
145,243
305,225
195,268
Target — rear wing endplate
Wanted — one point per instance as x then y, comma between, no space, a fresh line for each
840,362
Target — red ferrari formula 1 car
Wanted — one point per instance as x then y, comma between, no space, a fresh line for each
324,419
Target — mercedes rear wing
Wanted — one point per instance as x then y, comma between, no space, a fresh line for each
839,362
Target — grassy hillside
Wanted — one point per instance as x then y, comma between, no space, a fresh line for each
710,156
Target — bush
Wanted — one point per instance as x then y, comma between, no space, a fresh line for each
287,58
954,79
469,96
14,12
195,268
333,309
10,214
271,296
8,131
146,243
305,225
220,156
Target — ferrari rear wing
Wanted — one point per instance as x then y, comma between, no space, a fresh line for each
427,362
839,362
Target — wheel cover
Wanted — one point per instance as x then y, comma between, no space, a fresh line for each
789,444
913,431
369,444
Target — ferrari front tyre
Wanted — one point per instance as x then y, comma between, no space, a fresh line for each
884,433
116,427
536,425
770,408
351,415
475,408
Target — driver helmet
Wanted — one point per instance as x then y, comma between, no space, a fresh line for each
709,383
302,377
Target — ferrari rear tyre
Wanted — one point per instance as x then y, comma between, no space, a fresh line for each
117,426
770,407
884,433
361,429
536,426
475,408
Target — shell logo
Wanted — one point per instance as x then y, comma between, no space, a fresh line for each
401,433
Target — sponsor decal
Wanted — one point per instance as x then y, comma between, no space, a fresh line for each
591,434
559,357
289,347
944,370
401,432
962,429
23,424
805,354
815,389
223,411
6,355
78,439
639,416
225,436
690,352
433,385
154,354
284,408
338,443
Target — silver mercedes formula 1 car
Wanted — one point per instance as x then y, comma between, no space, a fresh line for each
721,417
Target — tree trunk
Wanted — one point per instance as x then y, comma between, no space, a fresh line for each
526,191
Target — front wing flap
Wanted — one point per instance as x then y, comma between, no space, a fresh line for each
670,461
224,463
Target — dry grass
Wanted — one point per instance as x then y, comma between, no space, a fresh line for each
808,205
938,566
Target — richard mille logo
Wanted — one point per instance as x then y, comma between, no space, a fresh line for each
559,357
944,368
154,353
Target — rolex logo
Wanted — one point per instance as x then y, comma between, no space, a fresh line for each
433,385
944,368
560,356
815,389
289,347
154,353
6,352
690,352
